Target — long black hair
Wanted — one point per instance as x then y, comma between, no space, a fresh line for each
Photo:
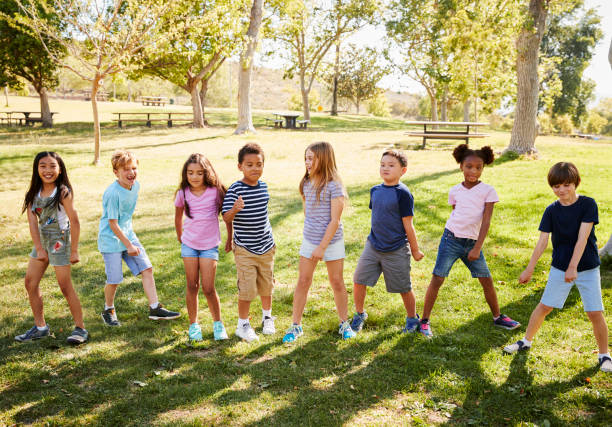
211,179
62,182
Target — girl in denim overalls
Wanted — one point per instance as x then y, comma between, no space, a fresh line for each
54,227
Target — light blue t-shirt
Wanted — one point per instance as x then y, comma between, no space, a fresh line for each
117,203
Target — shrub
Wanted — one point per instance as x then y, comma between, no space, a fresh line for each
378,106
564,124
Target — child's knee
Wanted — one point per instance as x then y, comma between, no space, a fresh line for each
595,316
147,272
31,284
545,309
337,284
193,285
208,291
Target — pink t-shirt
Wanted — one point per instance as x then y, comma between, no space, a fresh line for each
466,218
201,231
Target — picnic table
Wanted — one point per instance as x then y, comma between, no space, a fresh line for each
154,100
24,118
433,131
148,118
290,120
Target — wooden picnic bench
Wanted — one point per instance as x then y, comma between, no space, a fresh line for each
276,122
434,133
159,101
148,118
303,123
24,118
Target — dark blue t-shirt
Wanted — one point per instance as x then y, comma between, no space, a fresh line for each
563,222
389,205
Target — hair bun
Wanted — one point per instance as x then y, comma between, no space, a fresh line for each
460,152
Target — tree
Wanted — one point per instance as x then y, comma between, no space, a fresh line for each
245,116
198,37
358,74
309,28
569,41
102,36
22,55
607,249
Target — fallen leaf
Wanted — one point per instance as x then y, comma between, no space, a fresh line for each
139,383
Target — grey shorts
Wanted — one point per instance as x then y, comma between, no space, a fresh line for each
57,245
113,264
395,267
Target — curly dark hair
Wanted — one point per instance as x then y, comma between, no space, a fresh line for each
461,152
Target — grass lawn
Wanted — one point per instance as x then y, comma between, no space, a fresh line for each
146,373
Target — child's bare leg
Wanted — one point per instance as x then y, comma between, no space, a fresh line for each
359,296
148,284
536,319
192,276
336,280
432,294
34,273
243,309
409,303
300,295
266,302
208,270
109,294
490,294
600,330
65,283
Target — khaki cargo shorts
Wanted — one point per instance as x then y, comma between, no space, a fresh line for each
255,273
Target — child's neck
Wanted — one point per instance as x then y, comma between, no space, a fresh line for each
249,181
47,189
391,183
469,185
197,191
570,200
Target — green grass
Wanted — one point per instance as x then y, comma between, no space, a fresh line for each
381,377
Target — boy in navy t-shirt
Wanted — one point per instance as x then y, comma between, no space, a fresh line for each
391,241
571,221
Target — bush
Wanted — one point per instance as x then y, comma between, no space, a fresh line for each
545,124
378,106
564,124
295,101
399,109
595,123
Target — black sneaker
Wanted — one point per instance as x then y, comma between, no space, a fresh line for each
110,317
161,313
33,334
78,336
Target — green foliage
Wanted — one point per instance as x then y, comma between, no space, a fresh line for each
564,124
295,102
594,123
604,108
378,106
545,124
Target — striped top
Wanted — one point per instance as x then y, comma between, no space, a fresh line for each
252,229
318,212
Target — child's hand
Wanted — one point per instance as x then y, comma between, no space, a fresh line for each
228,245
317,254
41,255
570,274
525,276
474,254
133,250
238,204
418,255
74,257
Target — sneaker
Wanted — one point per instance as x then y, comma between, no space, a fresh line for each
605,364
412,324
246,332
267,324
160,313
517,346
219,331
33,334
358,320
293,333
78,336
346,331
110,317
425,328
195,332
505,322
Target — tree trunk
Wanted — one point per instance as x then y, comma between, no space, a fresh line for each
357,106
607,249
334,107
198,118
245,115
524,132
444,107
129,88
6,96
305,93
434,108
96,120
610,54
466,111
203,91
45,111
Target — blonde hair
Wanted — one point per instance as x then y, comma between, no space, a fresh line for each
121,158
323,170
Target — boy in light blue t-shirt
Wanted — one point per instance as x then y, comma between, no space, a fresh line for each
117,240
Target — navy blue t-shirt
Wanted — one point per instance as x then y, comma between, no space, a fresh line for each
563,222
389,205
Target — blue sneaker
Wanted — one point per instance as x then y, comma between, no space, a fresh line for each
505,322
219,331
195,332
346,331
412,324
358,321
425,329
293,333
33,334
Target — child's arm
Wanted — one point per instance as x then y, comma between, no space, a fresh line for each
41,253
178,222
228,216
539,249
412,239
230,235
583,234
131,249
75,226
474,254
337,205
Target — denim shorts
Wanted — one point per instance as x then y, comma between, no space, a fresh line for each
333,252
187,252
113,266
588,283
453,248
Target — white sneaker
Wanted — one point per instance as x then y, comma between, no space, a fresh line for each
517,346
605,364
246,332
268,325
